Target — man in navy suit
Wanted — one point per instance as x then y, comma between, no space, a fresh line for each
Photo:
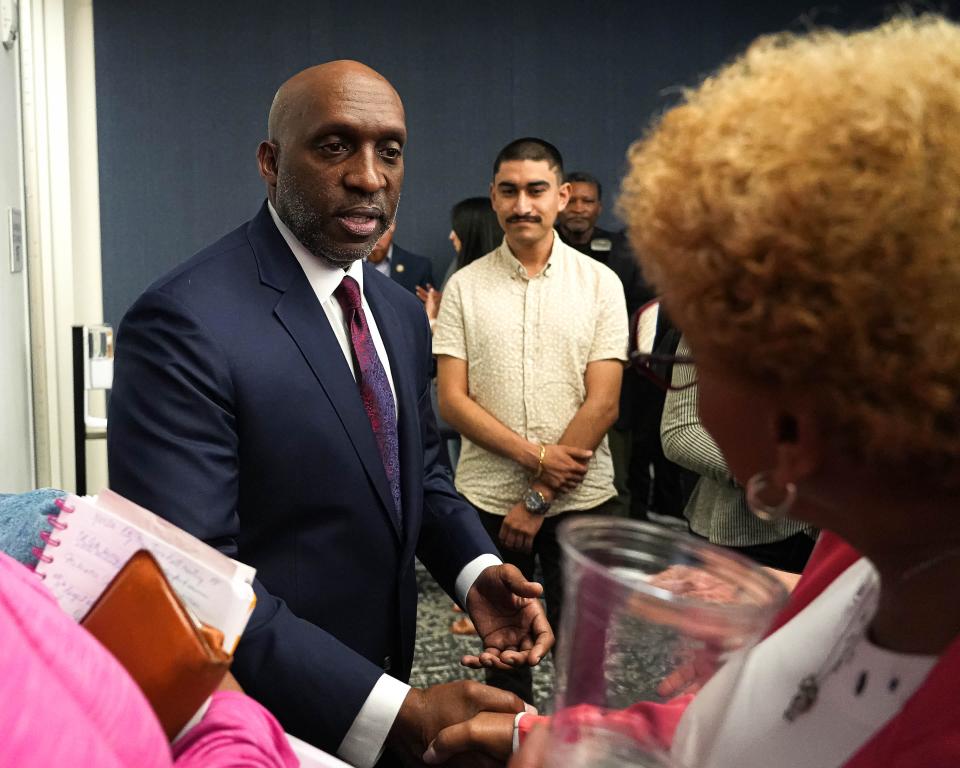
271,396
404,267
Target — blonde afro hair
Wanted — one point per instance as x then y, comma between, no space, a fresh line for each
800,214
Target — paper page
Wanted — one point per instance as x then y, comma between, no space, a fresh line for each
151,523
97,542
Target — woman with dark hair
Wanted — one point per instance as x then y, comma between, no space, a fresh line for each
475,233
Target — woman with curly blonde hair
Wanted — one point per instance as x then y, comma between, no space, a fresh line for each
799,213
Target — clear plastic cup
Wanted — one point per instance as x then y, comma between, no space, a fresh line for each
650,615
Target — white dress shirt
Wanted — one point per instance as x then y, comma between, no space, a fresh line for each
364,741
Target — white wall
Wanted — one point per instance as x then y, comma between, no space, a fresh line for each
16,423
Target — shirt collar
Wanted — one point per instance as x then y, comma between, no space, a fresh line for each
323,276
549,268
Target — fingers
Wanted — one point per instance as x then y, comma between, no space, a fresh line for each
578,454
541,630
489,733
562,480
533,752
517,583
491,658
518,541
506,533
490,661
483,661
486,698
514,658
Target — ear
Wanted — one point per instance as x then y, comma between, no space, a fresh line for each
799,446
267,157
493,194
564,194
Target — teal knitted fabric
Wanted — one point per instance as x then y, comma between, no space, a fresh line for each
22,517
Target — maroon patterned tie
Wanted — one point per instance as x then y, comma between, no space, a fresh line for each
374,386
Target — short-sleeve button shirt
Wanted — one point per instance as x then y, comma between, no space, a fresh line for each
527,342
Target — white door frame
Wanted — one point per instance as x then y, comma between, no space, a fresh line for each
62,218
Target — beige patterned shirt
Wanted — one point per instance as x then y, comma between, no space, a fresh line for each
527,342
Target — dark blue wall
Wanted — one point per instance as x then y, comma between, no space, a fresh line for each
183,90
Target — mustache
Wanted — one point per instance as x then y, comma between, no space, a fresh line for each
517,218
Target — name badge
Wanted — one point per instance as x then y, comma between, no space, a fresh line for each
601,244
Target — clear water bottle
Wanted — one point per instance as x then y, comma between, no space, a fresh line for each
650,615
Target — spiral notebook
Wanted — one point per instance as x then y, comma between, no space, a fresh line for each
92,538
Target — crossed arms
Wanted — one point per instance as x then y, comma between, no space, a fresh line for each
564,464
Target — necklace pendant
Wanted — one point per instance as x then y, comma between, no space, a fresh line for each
803,700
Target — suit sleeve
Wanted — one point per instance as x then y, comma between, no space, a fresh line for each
173,444
451,536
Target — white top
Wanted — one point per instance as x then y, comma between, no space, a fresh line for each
739,723
363,743
527,342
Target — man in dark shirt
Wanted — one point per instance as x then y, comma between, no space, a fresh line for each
408,269
577,224
578,227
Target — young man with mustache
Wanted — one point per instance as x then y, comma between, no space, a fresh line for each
530,344
272,397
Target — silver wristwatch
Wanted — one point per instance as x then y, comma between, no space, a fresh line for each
535,503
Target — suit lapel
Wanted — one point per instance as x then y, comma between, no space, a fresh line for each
306,322
398,268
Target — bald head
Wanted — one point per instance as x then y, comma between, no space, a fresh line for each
333,162
295,96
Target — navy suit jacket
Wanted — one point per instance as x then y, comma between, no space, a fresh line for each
410,270
235,415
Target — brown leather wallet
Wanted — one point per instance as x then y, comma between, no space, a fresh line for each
177,661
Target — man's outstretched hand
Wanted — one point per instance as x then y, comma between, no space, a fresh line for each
508,616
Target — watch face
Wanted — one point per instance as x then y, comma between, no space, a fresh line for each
534,502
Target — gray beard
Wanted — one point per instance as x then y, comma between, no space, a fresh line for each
306,225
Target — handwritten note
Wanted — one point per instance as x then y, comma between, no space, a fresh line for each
98,540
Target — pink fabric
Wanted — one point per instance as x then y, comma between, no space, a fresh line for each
644,721
64,700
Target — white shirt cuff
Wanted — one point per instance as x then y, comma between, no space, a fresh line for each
469,575
364,742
